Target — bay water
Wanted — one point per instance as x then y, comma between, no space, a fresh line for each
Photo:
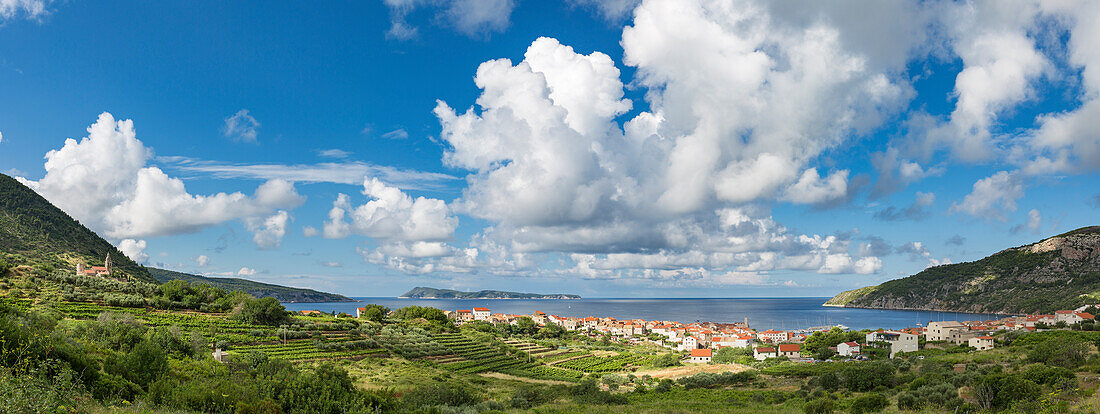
762,313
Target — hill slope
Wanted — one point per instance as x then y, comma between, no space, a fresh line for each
433,293
282,293
35,233
1061,272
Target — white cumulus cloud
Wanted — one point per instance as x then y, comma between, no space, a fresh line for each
104,181
992,196
390,215
268,232
134,249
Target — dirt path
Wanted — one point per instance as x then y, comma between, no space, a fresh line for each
498,375
690,369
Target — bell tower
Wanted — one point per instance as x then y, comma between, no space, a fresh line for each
107,263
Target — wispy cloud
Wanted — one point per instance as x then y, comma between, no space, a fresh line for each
396,134
241,127
333,153
350,172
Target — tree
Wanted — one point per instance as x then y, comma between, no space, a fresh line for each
1067,352
526,326
420,312
263,311
729,355
374,312
824,354
667,360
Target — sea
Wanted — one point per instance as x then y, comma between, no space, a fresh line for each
761,313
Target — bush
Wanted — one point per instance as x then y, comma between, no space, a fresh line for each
1068,352
527,397
999,391
867,376
819,406
869,403
587,392
667,360
444,394
710,380
729,355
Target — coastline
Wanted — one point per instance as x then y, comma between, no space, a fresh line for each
828,305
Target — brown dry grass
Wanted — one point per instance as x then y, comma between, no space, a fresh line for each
690,369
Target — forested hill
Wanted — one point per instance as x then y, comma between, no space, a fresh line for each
281,293
1061,272
433,293
35,233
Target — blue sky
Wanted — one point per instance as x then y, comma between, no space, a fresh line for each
606,148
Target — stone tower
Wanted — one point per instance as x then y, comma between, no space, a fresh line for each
107,263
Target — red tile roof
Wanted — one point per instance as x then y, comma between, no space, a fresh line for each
789,348
764,349
700,352
481,309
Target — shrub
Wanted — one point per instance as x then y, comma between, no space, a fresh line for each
819,406
999,391
1068,352
443,394
867,376
710,380
869,403
667,360
730,355
528,397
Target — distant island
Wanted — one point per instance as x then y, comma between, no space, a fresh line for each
433,293
283,294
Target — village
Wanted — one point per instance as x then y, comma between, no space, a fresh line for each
701,339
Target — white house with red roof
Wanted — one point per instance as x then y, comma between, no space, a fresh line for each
700,356
464,315
981,343
764,352
847,349
790,350
1071,317
481,314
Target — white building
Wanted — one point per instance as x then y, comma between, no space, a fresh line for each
689,342
764,352
848,349
700,356
899,341
481,314
981,343
941,331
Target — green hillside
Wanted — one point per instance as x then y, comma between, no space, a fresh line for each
35,234
1060,272
282,293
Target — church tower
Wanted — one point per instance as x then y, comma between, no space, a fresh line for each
107,263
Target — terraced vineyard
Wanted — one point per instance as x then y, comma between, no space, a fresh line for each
478,357
594,364
222,328
546,373
305,350
472,357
